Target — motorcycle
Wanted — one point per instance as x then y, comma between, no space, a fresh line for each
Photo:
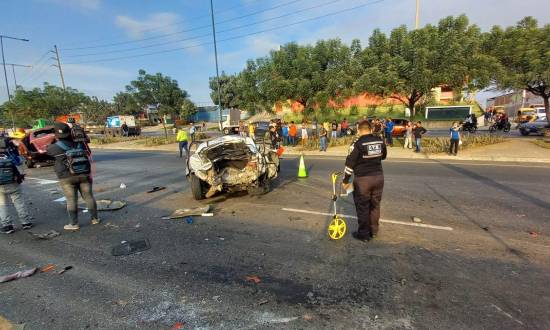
505,127
469,127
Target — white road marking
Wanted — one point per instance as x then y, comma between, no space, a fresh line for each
412,224
42,181
506,314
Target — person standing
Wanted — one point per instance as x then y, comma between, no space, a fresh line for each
364,162
455,139
284,131
334,130
10,181
182,140
192,130
251,131
418,132
292,132
408,136
344,127
304,136
314,129
388,130
73,169
125,129
323,139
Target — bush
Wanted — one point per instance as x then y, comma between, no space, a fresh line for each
109,139
433,145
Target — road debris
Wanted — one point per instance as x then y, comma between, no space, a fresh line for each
122,186
48,235
308,317
217,298
197,211
109,205
263,302
47,268
189,220
155,189
416,220
18,275
178,325
533,234
65,269
130,247
253,278
110,225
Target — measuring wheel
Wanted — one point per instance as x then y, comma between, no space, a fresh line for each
337,228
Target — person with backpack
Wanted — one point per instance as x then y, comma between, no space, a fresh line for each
73,168
10,181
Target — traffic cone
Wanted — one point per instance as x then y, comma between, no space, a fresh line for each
302,170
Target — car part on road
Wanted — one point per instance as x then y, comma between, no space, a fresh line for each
65,269
47,268
155,189
337,227
18,275
253,278
109,205
197,211
48,235
130,247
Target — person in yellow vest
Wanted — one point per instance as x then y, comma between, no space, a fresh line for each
181,138
251,130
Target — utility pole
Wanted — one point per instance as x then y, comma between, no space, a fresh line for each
417,25
216,58
56,52
13,70
2,37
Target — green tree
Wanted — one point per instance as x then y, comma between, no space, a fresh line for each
523,52
229,91
188,108
126,104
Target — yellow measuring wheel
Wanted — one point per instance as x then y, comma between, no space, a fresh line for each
337,227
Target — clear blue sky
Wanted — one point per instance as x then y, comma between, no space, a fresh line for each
84,23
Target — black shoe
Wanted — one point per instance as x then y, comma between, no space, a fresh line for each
27,225
7,229
362,239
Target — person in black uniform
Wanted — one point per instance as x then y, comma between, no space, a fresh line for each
364,162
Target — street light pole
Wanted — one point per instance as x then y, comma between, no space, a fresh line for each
13,65
2,37
59,66
417,25
216,58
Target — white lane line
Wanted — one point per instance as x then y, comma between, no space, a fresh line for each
42,181
412,224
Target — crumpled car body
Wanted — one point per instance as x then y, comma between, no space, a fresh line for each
231,163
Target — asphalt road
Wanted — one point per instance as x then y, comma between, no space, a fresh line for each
488,272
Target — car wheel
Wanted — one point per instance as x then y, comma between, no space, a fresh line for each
226,131
524,132
197,187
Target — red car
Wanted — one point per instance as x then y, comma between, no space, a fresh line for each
34,146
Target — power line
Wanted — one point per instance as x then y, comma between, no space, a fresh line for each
35,65
183,31
232,38
208,34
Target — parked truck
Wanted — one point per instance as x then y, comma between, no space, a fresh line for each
113,126
231,123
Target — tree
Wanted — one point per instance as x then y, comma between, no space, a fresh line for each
523,52
125,104
188,108
229,91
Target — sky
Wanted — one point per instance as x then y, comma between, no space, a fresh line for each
103,44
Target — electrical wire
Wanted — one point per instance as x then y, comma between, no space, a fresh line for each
208,34
182,31
232,38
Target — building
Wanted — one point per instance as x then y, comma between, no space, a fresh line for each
510,103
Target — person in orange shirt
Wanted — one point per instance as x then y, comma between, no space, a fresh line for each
292,132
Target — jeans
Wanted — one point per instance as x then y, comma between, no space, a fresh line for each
334,134
389,138
71,187
183,146
12,191
408,142
292,140
367,195
285,140
418,144
454,145
323,143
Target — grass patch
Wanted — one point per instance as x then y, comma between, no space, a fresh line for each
430,145
109,139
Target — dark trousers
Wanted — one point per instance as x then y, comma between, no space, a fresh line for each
389,139
71,187
183,146
454,145
367,195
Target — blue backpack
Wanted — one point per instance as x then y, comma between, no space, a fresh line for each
77,160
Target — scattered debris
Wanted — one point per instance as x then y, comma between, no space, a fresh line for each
60,200
189,220
110,225
138,225
48,235
18,275
198,211
178,325
47,268
217,298
533,234
263,302
221,238
155,189
294,219
485,228
308,317
416,220
253,278
109,205
65,269
130,247
122,186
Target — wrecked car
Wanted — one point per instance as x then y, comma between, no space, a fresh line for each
34,146
229,164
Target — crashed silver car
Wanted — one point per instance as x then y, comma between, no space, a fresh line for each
230,163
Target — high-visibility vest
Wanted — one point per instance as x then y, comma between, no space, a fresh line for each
182,136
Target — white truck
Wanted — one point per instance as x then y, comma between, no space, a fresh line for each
231,123
113,126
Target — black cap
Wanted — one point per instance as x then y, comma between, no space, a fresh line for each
62,130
